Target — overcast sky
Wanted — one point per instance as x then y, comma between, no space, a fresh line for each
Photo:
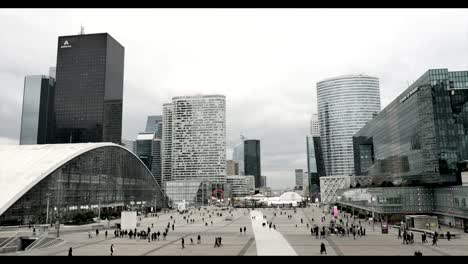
266,61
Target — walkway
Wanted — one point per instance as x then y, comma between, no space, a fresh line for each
269,241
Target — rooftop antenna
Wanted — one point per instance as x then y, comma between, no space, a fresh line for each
82,30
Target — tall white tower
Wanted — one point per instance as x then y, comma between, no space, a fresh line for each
345,105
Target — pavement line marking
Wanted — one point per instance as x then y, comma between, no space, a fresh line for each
247,246
269,242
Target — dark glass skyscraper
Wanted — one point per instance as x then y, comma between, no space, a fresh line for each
252,164
37,119
89,89
247,154
315,165
421,138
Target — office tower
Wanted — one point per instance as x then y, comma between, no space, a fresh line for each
52,71
299,176
315,126
232,167
241,185
89,89
194,149
144,148
263,181
154,124
37,119
315,166
166,144
421,137
247,153
345,105
156,167
199,138
129,144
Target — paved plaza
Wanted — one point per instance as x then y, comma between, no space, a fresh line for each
291,237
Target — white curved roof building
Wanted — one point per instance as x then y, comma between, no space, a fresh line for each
73,176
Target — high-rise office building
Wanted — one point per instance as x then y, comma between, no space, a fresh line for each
199,137
315,126
263,181
154,124
89,89
421,137
129,144
345,105
299,176
166,144
414,153
37,119
52,72
194,147
247,153
232,167
315,166
144,148
156,167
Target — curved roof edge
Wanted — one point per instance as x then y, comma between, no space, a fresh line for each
347,76
30,180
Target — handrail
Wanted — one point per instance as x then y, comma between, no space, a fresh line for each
8,240
40,239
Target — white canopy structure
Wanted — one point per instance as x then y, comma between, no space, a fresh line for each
23,166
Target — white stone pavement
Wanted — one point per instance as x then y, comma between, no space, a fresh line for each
269,241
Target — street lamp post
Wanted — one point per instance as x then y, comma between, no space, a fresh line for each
47,213
99,209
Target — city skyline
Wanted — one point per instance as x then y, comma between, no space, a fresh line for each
280,99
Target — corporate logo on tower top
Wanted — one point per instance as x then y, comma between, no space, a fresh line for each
65,45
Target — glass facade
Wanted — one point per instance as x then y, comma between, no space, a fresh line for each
252,160
419,138
315,166
247,154
345,105
37,119
109,178
154,125
195,193
89,89
448,202
238,156
299,173
144,148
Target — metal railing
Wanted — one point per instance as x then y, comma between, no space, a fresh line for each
41,238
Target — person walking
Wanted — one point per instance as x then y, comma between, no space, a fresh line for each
216,242
245,229
191,241
105,234
70,250
89,234
434,241
323,249
97,232
112,249
183,243
199,239
448,236
241,230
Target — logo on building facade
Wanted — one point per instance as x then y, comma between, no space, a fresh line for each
65,45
